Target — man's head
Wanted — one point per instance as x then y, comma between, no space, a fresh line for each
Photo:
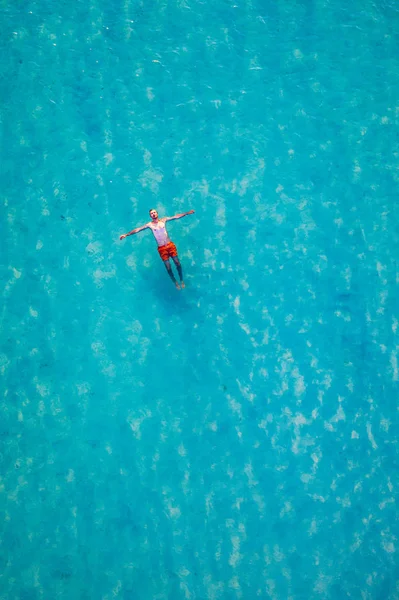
153,214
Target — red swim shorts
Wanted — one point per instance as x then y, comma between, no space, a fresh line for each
167,251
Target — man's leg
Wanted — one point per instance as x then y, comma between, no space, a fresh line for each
169,270
179,269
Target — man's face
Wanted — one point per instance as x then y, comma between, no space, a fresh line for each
153,214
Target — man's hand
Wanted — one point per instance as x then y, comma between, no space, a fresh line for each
123,236
190,212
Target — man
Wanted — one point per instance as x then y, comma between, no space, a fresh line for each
166,247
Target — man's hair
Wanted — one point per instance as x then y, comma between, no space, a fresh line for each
151,209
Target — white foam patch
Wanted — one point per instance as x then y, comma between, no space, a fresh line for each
386,502
254,64
98,347
299,385
245,328
83,388
108,158
209,503
151,178
394,365
108,137
316,459
221,215
100,275
144,345
259,501
135,422
173,510
181,450
234,406
42,389
248,470
108,369
95,249
131,261
4,363
339,415
394,325
49,285
313,527
246,391
235,556
371,437
306,477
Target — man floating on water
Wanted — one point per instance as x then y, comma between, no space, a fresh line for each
166,247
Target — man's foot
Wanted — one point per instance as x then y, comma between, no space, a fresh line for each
182,284
177,285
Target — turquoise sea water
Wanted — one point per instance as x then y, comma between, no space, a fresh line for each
238,439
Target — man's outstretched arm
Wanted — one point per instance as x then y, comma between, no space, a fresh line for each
190,212
122,237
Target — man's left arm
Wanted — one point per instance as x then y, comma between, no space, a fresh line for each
190,212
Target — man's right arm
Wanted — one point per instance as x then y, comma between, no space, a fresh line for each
122,237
